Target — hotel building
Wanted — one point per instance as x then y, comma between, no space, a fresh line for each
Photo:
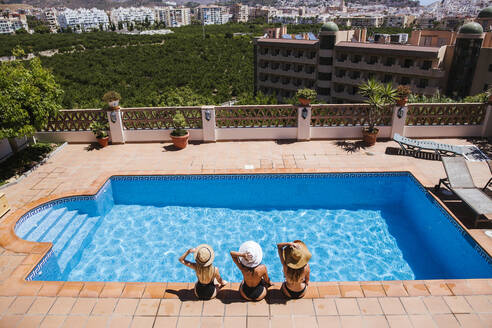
337,62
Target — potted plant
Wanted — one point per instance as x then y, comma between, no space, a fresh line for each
100,130
305,96
112,98
403,92
379,96
179,135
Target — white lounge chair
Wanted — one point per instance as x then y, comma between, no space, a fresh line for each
460,182
416,146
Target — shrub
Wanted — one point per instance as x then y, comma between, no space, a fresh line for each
179,122
403,91
100,129
379,97
308,94
111,96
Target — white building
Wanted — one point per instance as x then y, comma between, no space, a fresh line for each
132,15
11,23
398,20
367,21
83,19
49,16
240,13
173,17
213,14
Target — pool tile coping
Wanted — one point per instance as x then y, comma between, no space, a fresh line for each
17,285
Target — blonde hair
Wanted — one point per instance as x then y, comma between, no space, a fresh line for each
294,275
204,273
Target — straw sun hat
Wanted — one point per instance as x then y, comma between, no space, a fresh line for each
204,255
296,258
254,249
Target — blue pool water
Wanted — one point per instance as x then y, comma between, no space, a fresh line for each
374,226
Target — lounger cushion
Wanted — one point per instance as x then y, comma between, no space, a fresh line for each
457,172
476,199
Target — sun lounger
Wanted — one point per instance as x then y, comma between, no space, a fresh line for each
412,145
461,183
489,162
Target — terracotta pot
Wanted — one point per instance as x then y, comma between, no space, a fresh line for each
304,101
103,142
180,142
402,101
369,137
114,104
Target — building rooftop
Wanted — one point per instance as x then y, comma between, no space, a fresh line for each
329,27
287,41
396,49
471,28
486,13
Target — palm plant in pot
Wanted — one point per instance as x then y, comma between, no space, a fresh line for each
379,97
403,92
305,96
179,135
100,130
112,98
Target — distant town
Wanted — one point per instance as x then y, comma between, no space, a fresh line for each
445,15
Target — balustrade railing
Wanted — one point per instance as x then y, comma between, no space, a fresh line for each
154,118
74,120
346,115
446,114
268,116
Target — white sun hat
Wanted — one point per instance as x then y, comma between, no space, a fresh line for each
253,249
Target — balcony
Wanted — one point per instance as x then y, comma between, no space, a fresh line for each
288,59
395,69
290,73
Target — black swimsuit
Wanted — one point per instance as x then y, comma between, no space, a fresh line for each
295,294
253,292
205,291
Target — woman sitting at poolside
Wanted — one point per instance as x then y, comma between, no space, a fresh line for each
255,276
206,273
294,257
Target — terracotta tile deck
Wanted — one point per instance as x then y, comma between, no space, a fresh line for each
78,170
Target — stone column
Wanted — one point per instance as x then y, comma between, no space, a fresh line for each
116,126
208,123
487,122
398,120
303,123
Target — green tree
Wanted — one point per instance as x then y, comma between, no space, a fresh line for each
28,96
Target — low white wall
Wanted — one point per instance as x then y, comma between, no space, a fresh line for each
345,132
69,136
443,131
255,133
157,135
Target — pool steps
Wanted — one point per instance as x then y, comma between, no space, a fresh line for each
66,229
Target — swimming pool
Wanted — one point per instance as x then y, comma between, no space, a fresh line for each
358,226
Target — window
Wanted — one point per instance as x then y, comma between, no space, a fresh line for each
324,91
339,87
285,67
490,67
340,73
485,87
275,52
405,80
285,80
274,65
426,41
297,82
326,60
372,60
298,53
311,55
427,64
387,78
354,75
423,83
264,51
309,69
342,57
309,83
390,61
263,64
263,77
356,58
286,52
274,78
324,76
408,63
297,68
